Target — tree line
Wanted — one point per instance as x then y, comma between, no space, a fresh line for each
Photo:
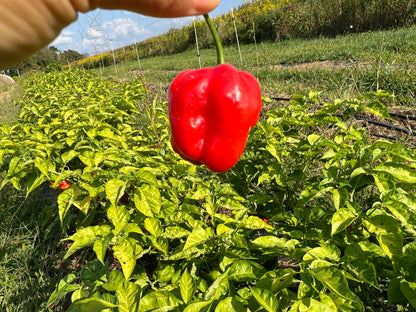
47,59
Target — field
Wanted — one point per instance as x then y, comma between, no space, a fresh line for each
319,214
341,67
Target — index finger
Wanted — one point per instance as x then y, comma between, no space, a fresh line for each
157,8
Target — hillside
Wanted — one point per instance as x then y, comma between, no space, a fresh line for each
272,20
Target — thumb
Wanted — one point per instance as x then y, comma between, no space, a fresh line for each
28,25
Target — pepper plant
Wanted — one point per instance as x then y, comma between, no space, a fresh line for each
315,216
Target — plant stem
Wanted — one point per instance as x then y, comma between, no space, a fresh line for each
218,44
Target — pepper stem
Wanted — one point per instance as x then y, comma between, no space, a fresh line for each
218,44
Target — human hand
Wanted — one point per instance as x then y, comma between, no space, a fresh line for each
28,25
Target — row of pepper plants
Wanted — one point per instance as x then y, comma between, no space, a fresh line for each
315,216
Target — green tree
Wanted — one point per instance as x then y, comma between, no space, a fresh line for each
69,56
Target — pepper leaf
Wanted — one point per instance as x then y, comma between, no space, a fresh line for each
266,299
187,286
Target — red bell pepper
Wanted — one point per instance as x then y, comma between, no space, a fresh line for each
211,112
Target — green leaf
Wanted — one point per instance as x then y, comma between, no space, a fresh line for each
326,252
158,300
409,291
201,193
187,286
128,295
310,305
147,200
218,288
65,200
153,226
403,152
276,281
255,223
87,157
334,279
382,224
100,247
33,182
394,293
160,243
363,250
403,207
94,273
230,304
118,216
85,237
273,242
44,165
65,287
78,295
243,271
203,306
388,233
363,270
377,108
147,177
314,95
68,156
345,305
115,279
272,149
340,197
313,138
312,191
93,304
114,190
327,300
198,236
230,203
401,172
174,232
318,263
342,218
98,158
81,199
125,251
132,228
392,244
266,299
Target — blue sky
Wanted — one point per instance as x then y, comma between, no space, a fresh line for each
114,29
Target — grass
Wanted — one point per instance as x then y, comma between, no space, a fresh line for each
345,66
28,251
8,110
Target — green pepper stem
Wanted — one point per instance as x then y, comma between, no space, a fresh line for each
218,44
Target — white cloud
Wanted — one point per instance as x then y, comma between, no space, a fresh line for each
180,22
68,33
95,34
124,27
66,37
95,41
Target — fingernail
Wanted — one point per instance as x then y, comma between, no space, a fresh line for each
205,6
